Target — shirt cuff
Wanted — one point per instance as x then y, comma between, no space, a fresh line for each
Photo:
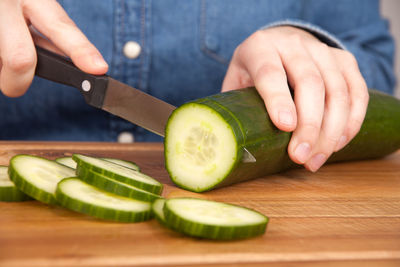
318,32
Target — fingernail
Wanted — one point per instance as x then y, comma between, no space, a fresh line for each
99,61
302,152
342,142
317,161
286,117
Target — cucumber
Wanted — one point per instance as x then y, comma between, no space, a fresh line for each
74,194
113,186
8,191
37,177
158,210
119,173
67,161
205,139
125,163
213,220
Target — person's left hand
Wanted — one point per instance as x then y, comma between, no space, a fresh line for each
330,94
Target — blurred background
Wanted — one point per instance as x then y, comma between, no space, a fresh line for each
391,9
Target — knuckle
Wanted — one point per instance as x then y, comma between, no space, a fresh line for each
323,46
295,38
257,36
341,95
20,62
312,79
350,58
272,71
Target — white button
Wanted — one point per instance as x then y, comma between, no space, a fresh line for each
132,49
126,137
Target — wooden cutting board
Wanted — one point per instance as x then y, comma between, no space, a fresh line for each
347,213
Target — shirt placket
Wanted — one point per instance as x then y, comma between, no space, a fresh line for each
131,57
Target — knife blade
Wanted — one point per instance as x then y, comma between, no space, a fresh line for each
105,92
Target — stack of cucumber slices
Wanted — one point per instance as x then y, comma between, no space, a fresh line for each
116,190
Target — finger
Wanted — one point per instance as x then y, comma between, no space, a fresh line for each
309,91
62,31
236,77
358,92
17,51
43,42
265,68
337,106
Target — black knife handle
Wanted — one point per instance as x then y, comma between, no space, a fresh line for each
59,69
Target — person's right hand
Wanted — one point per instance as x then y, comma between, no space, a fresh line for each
20,24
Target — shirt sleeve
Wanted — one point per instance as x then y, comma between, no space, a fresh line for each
367,38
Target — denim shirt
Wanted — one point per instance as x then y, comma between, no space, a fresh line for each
185,49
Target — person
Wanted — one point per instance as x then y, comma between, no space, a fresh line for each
328,52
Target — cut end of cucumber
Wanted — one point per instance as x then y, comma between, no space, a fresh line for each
200,148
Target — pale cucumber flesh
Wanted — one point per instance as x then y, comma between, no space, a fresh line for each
38,177
79,196
158,209
114,170
125,163
67,161
200,147
212,220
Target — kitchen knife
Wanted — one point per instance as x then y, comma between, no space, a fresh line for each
109,94
105,92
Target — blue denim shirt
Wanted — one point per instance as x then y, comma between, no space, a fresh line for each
186,47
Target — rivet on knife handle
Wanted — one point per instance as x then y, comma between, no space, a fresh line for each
59,69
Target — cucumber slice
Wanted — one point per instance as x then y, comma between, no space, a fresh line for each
158,210
213,220
74,194
8,191
119,173
125,163
200,147
38,177
104,183
67,161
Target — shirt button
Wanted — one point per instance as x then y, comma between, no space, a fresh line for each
126,137
132,49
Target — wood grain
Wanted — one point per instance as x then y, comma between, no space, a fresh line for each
345,214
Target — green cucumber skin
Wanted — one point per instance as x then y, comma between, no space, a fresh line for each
27,187
156,189
12,194
177,223
99,212
245,111
104,183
